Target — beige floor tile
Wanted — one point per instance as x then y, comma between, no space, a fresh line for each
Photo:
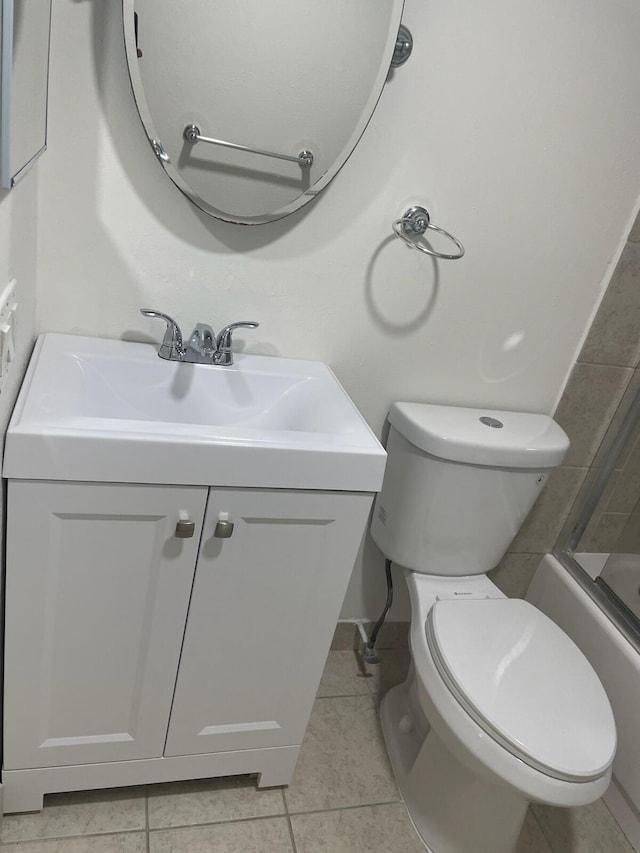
344,637
230,798
343,761
132,842
269,835
392,669
343,675
588,829
376,829
80,813
532,838
392,635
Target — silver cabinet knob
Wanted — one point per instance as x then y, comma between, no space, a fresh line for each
185,529
223,530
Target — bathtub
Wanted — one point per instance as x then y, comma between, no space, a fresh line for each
620,572
616,660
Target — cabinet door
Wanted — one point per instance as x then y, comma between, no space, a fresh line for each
97,594
263,610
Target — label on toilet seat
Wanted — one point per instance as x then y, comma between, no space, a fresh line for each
455,596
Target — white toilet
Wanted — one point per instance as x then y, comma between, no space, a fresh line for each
500,707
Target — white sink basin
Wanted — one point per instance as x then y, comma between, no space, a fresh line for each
112,411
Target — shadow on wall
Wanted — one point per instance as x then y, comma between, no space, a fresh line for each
383,300
400,285
163,200
145,174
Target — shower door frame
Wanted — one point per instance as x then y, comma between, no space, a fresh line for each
595,482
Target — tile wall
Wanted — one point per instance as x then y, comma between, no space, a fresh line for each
602,382
615,523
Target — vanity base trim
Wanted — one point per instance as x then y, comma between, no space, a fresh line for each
24,789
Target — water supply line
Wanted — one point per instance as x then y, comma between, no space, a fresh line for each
369,652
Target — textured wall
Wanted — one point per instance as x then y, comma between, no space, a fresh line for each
508,121
18,260
614,339
598,392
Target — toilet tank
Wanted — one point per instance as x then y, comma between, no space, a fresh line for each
459,483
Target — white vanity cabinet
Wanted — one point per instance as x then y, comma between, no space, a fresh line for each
259,623
97,594
135,656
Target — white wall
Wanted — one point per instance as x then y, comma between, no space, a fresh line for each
517,125
18,260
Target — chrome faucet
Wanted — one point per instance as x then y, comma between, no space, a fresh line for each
224,353
172,347
203,340
203,347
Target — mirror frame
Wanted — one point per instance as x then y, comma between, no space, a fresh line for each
128,10
8,180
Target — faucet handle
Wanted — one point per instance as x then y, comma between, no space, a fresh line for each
224,354
172,345
203,340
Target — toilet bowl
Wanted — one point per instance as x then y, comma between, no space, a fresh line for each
500,707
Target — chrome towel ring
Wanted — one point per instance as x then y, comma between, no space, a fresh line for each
415,223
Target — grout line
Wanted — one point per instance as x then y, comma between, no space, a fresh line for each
346,695
548,840
110,834
290,825
146,818
291,835
605,364
217,822
366,695
523,554
349,808
286,813
632,846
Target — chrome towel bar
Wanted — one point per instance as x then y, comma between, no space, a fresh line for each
415,223
192,134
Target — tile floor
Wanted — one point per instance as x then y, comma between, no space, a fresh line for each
342,798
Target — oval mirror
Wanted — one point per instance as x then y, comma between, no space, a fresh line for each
252,107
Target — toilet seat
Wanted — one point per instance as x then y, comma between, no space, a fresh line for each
525,683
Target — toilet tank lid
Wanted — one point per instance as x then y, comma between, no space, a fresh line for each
481,436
